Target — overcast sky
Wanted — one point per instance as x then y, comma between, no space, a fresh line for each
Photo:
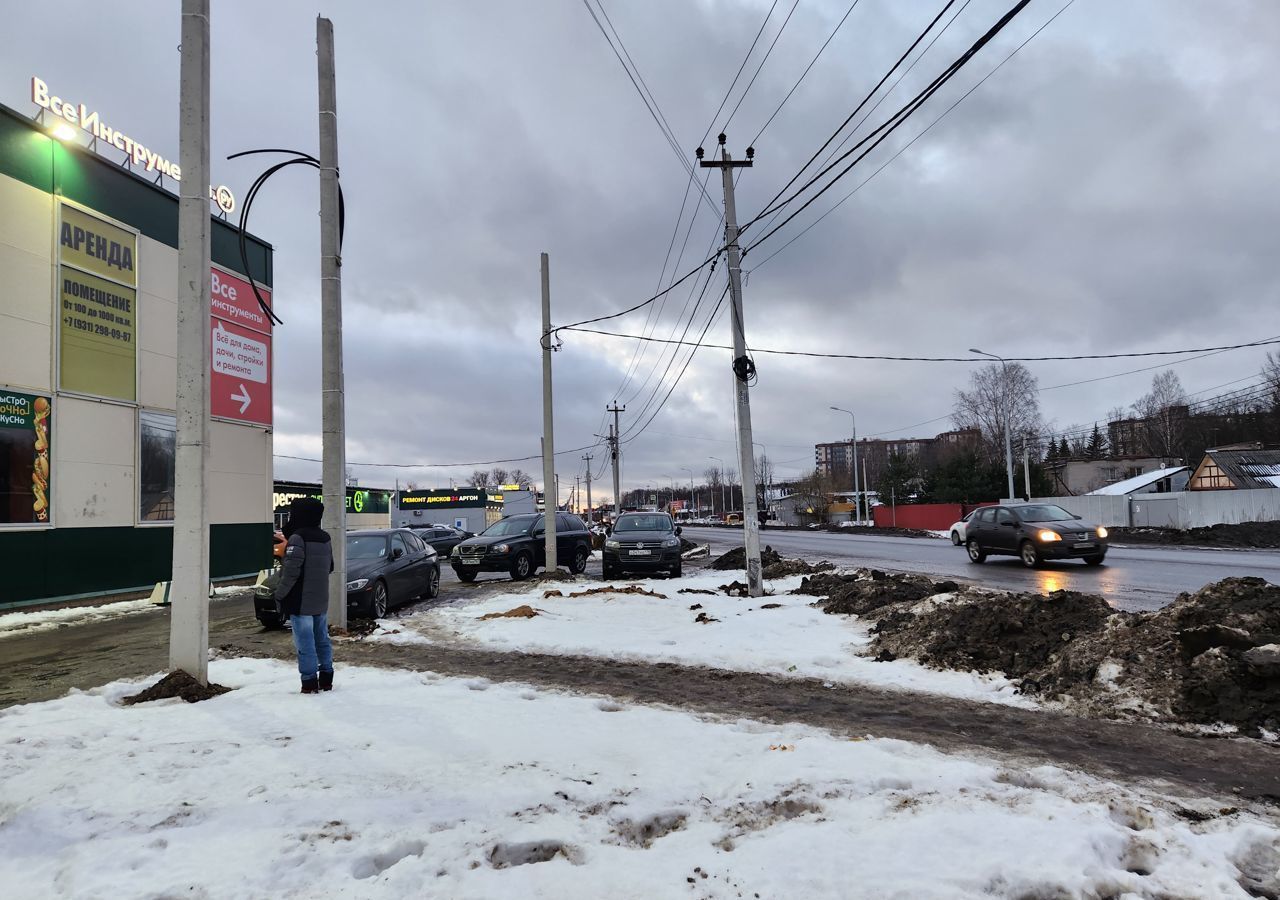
1111,189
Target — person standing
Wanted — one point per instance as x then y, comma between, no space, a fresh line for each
303,592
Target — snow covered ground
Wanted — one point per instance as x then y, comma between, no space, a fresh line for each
401,784
792,638
15,623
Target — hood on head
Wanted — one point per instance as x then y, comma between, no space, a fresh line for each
304,512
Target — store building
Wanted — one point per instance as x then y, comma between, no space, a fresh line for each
88,367
366,507
471,509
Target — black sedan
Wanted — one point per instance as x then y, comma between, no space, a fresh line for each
1034,532
388,568
442,537
643,542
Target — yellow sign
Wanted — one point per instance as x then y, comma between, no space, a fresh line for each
98,247
510,487
98,352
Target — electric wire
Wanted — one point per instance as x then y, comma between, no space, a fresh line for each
763,60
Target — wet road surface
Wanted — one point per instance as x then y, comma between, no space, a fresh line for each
1133,578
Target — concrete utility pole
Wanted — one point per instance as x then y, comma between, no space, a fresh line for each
334,407
548,424
189,621
588,459
1008,414
742,367
1026,468
693,503
615,433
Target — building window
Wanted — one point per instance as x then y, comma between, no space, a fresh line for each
158,439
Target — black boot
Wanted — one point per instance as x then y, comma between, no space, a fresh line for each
310,686
326,681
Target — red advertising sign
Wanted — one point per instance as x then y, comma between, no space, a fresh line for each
240,380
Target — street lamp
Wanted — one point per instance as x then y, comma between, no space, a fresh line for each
857,506
724,476
1008,444
692,500
764,454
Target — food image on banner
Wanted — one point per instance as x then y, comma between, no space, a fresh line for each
24,458
97,303
97,327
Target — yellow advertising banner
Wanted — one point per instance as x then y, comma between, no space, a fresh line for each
98,352
97,246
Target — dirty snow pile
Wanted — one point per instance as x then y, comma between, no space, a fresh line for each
1211,658
400,784
16,623
690,621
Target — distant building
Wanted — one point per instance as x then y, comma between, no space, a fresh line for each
1156,481
1072,477
836,457
1236,469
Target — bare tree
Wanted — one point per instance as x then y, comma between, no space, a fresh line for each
814,490
520,477
998,393
1271,372
1164,411
764,473
499,476
715,481
479,478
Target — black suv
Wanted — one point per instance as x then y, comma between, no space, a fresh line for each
517,545
1034,532
643,542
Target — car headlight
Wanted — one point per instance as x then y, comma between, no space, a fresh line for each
1048,535
357,585
502,548
612,544
1102,532
671,542
456,551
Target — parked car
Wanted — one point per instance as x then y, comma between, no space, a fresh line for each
1034,532
517,545
643,542
442,537
958,535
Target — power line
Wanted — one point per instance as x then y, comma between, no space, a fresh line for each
884,130
763,60
956,359
923,132
830,37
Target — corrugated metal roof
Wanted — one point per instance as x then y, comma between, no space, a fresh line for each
1137,482
1248,469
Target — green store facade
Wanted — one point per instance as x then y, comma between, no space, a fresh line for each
88,375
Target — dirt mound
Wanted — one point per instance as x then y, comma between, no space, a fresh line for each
1016,634
177,684
520,612
1211,657
737,559
1262,535
795,567
867,590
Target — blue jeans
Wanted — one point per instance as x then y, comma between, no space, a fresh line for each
311,640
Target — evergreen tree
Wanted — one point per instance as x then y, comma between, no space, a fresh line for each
1064,449
1051,454
899,479
1097,448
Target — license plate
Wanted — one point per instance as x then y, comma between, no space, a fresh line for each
641,552
1083,545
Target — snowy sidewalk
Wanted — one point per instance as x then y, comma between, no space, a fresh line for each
402,784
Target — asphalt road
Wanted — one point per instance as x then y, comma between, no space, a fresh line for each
1134,579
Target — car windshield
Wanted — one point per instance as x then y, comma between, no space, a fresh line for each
643,523
1042,512
366,546
513,525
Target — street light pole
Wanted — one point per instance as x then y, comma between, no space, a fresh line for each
692,501
1008,444
724,510
857,507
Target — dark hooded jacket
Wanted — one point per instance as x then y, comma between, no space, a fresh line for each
308,560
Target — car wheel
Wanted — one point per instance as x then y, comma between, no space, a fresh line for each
580,557
521,567
1095,560
976,553
433,583
465,575
1029,555
607,572
676,570
955,538
378,605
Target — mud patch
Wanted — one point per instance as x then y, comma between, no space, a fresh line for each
867,590
177,684
504,855
737,559
1260,535
796,567
520,612
643,832
629,589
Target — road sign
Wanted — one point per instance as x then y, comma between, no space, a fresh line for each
240,360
